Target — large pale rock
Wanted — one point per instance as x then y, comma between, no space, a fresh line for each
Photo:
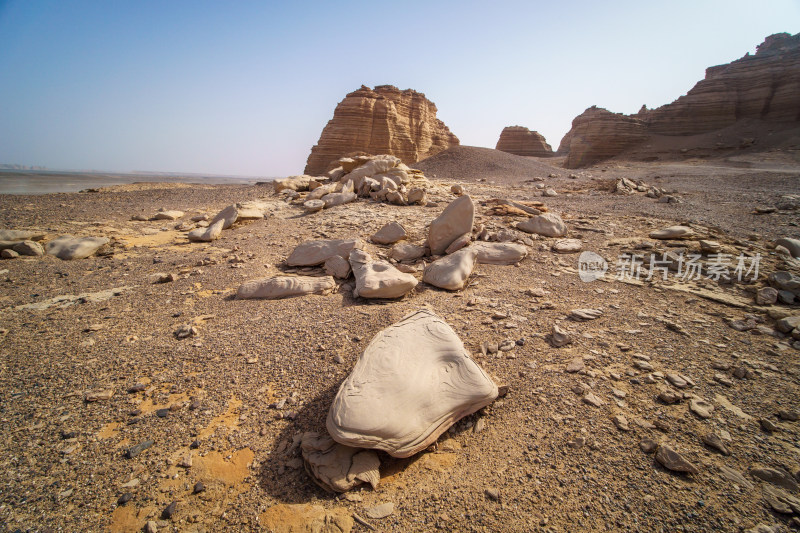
406,252
338,198
68,247
315,253
338,267
385,120
673,232
413,381
336,467
456,220
547,224
251,210
293,183
793,245
567,246
278,287
168,214
378,279
228,216
31,248
211,233
519,140
499,253
390,233
452,271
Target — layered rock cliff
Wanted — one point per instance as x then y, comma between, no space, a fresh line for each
761,87
384,120
519,140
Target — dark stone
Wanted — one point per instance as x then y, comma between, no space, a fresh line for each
139,448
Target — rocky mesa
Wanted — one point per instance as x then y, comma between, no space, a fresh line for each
760,88
384,120
519,140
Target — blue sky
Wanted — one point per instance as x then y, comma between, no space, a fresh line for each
245,88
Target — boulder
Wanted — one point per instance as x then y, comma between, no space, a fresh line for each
336,467
312,206
378,279
338,267
390,233
456,220
452,271
414,380
293,183
406,252
315,253
499,253
277,287
31,248
208,234
228,216
547,224
68,247
338,198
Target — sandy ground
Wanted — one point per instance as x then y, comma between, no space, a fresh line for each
538,459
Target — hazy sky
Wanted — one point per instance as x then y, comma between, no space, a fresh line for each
245,88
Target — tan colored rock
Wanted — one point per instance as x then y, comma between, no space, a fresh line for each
417,196
277,287
385,120
499,253
305,518
567,246
228,216
208,234
170,214
29,248
313,206
338,198
519,140
406,252
413,381
338,267
315,253
68,247
673,232
390,233
336,467
293,183
452,271
456,220
459,243
378,279
547,224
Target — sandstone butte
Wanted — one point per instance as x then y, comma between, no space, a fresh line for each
760,88
519,140
384,120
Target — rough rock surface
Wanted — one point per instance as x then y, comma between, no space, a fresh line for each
760,87
413,381
519,140
499,253
336,467
68,247
211,233
547,224
278,287
378,279
452,271
314,253
455,221
385,120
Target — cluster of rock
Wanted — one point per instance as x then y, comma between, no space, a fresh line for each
382,177
413,382
626,186
384,120
760,87
15,243
519,140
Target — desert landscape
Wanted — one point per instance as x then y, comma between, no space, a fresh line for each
417,335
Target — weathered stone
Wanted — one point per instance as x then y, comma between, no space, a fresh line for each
673,232
211,233
305,518
390,233
277,287
499,253
559,337
793,245
766,296
567,246
776,476
672,460
336,467
315,253
30,248
547,224
406,252
337,266
170,214
456,220
293,183
68,247
312,206
452,271
378,279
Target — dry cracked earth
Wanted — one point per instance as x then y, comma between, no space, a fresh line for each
110,422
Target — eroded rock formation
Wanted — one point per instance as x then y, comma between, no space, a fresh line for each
519,140
764,87
385,120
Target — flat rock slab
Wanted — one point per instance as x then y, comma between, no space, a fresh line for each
547,225
336,467
413,381
567,246
456,220
673,232
499,253
585,314
390,233
228,216
451,272
278,287
68,247
406,252
169,214
15,235
793,245
378,279
315,253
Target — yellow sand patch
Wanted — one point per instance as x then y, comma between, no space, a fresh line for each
301,518
127,519
157,239
147,406
214,467
204,293
108,431
229,418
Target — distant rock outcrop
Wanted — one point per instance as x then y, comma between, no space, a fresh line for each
519,140
385,120
764,87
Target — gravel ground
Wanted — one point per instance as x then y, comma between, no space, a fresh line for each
539,459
